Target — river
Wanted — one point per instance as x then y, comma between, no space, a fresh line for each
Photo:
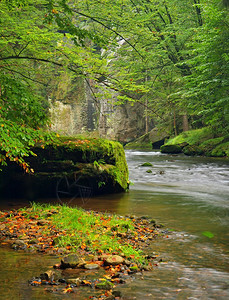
190,196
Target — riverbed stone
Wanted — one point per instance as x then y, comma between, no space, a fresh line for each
91,266
75,281
20,243
70,261
114,260
104,284
146,164
48,275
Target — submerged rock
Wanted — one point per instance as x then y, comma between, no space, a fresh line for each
75,281
146,164
48,275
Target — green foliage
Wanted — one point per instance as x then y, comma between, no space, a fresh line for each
206,89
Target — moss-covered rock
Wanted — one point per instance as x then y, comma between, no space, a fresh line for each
70,166
171,149
221,150
200,142
104,284
192,150
146,164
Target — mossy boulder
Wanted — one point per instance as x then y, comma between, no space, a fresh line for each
69,165
146,164
192,150
202,141
171,149
221,150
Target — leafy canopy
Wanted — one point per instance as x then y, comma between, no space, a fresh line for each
169,56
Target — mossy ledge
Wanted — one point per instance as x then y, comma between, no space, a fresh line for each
97,165
198,142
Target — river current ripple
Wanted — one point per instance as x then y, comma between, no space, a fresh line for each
190,195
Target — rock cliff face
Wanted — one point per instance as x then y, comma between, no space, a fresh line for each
124,123
74,109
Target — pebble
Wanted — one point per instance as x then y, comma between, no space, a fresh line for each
91,266
114,260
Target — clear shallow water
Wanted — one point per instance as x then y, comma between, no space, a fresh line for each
190,196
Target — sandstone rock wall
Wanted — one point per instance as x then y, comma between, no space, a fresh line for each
74,109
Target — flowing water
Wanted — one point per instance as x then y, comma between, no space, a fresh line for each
190,196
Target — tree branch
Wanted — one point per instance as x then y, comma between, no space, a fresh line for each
31,58
109,28
34,80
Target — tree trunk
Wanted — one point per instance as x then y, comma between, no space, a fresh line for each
185,122
174,122
146,116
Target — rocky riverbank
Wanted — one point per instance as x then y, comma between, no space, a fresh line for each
112,248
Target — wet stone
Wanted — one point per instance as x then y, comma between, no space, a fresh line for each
19,244
75,281
48,275
62,251
91,266
104,285
117,293
114,260
70,261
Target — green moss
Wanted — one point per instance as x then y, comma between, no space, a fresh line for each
191,137
89,150
138,146
221,150
208,146
104,284
146,164
192,150
96,163
173,149
200,142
